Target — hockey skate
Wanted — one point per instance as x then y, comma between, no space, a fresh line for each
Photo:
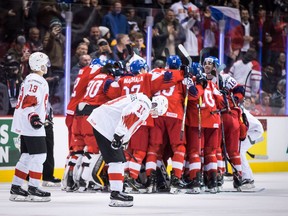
177,185
118,199
194,186
133,186
151,183
18,194
71,185
37,195
220,181
237,181
212,183
247,184
54,182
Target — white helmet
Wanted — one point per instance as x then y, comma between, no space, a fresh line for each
39,61
159,106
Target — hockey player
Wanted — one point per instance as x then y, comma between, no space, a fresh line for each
28,119
233,127
254,133
202,128
141,81
169,123
114,123
82,131
79,89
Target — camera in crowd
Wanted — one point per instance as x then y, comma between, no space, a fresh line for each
9,69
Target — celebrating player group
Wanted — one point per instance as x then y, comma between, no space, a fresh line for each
125,122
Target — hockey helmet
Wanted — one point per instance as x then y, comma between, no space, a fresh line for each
159,106
98,61
212,60
39,61
111,61
108,69
137,65
173,62
196,68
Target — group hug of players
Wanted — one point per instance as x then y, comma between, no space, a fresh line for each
203,125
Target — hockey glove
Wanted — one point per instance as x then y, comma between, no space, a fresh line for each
117,142
224,91
193,90
35,120
201,79
239,89
167,76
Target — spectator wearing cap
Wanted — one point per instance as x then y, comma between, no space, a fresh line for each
105,33
116,21
81,49
53,43
54,47
104,51
18,49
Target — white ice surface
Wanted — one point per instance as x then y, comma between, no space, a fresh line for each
273,201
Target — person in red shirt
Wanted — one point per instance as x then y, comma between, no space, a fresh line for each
233,125
169,124
140,81
202,129
83,138
79,89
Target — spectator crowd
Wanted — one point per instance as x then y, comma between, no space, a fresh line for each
254,51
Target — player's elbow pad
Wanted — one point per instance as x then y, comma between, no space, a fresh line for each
107,85
167,76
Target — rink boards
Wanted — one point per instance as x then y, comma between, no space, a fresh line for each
274,145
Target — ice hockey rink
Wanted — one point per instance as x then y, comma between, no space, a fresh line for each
272,201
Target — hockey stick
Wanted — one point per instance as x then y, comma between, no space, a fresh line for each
255,156
202,53
187,56
167,52
255,141
129,56
185,53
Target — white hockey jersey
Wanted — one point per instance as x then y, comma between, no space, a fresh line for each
33,98
123,116
248,75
